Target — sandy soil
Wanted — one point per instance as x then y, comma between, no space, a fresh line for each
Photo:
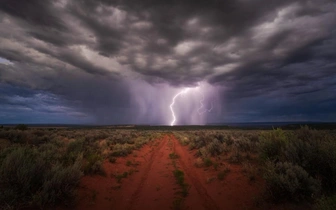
150,183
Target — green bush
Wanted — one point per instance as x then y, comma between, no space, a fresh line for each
51,153
28,179
197,142
271,144
59,185
21,175
314,151
93,164
203,152
76,146
73,151
215,147
286,181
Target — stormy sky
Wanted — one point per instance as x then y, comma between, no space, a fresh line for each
122,61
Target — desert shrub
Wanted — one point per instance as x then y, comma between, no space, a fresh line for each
203,152
93,164
182,139
314,151
298,152
76,146
121,150
243,144
326,203
39,132
122,138
28,179
38,140
15,136
287,181
95,135
220,137
173,155
192,145
207,162
228,140
91,153
215,147
73,150
253,137
21,173
197,142
140,142
51,153
235,156
59,185
21,127
271,144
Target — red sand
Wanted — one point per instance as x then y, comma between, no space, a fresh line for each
153,186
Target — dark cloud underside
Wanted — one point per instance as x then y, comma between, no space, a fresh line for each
273,60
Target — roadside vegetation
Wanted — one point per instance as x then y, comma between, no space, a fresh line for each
42,167
298,166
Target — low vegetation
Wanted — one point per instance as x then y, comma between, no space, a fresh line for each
297,165
41,168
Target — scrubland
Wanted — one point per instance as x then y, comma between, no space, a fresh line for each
100,168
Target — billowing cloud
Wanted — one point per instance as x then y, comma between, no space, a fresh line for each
122,61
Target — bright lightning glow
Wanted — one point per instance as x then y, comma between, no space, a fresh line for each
172,104
201,110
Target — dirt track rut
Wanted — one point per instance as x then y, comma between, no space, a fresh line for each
153,185
188,168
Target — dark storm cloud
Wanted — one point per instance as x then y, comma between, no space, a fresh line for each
35,12
87,53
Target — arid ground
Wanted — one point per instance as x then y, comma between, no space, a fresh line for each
150,182
129,168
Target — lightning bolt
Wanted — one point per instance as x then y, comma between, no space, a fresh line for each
172,104
201,109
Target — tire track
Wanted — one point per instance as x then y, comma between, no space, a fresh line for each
208,202
148,168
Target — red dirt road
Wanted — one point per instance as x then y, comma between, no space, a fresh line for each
150,183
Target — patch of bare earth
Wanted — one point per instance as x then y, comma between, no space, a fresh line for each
150,183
